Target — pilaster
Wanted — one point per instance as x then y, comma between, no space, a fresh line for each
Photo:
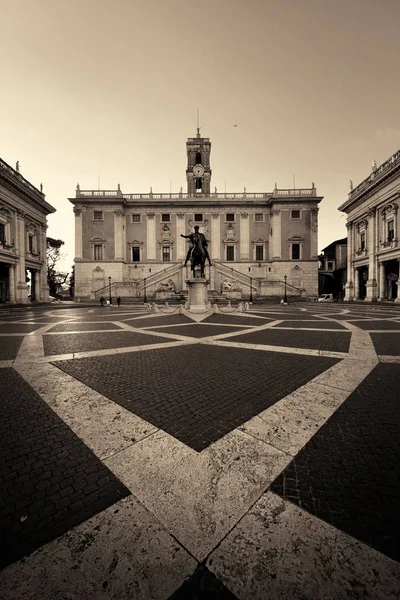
372,287
349,289
244,237
21,291
180,229
215,236
276,233
78,232
314,233
151,237
11,282
119,227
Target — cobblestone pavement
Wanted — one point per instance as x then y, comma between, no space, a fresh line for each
163,462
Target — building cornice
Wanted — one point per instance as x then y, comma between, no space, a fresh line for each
14,181
379,177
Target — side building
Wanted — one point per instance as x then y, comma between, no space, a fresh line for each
373,249
332,273
23,213
130,245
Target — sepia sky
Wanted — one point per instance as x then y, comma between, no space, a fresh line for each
109,89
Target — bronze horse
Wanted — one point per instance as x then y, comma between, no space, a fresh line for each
198,255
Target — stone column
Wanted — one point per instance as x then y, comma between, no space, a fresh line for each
78,232
119,222
349,289
215,237
371,236
382,286
314,233
244,237
11,283
276,234
181,242
21,291
44,287
356,284
151,237
38,296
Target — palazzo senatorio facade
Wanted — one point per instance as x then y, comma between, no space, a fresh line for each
373,249
23,213
130,244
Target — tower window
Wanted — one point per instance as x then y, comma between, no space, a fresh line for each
98,215
230,216
166,254
136,253
198,217
230,253
199,184
295,251
198,158
295,214
98,252
165,218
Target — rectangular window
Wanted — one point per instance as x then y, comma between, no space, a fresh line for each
230,217
98,252
30,243
259,253
136,253
259,217
230,253
165,218
362,241
390,231
295,214
166,254
295,251
136,219
198,217
330,266
2,233
98,215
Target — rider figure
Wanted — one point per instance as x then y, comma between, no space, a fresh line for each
204,243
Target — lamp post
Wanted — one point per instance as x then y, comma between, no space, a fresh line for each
251,289
144,291
109,289
285,295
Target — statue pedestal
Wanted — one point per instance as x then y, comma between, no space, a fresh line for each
197,294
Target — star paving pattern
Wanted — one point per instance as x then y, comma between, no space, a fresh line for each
291,407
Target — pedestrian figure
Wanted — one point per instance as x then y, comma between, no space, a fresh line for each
118,300
101,300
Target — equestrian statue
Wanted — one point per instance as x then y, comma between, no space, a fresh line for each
198,252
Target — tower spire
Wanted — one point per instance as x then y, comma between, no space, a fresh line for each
198,126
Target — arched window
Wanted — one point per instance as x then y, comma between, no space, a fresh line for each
198,158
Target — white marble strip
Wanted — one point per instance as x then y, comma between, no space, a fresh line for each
268,348
387,358
85,332
121,553
5,364
310,329
109,352
280,548
191,324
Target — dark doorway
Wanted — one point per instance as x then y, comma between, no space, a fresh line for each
4,286
363,275
392,278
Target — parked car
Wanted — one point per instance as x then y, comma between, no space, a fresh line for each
326,298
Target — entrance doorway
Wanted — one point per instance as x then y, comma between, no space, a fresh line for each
4,285
392,278
363,275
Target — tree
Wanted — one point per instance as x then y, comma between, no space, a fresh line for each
72,282
55,279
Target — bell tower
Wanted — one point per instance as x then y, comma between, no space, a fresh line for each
198,171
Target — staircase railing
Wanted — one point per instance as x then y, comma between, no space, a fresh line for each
237,275
155,278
